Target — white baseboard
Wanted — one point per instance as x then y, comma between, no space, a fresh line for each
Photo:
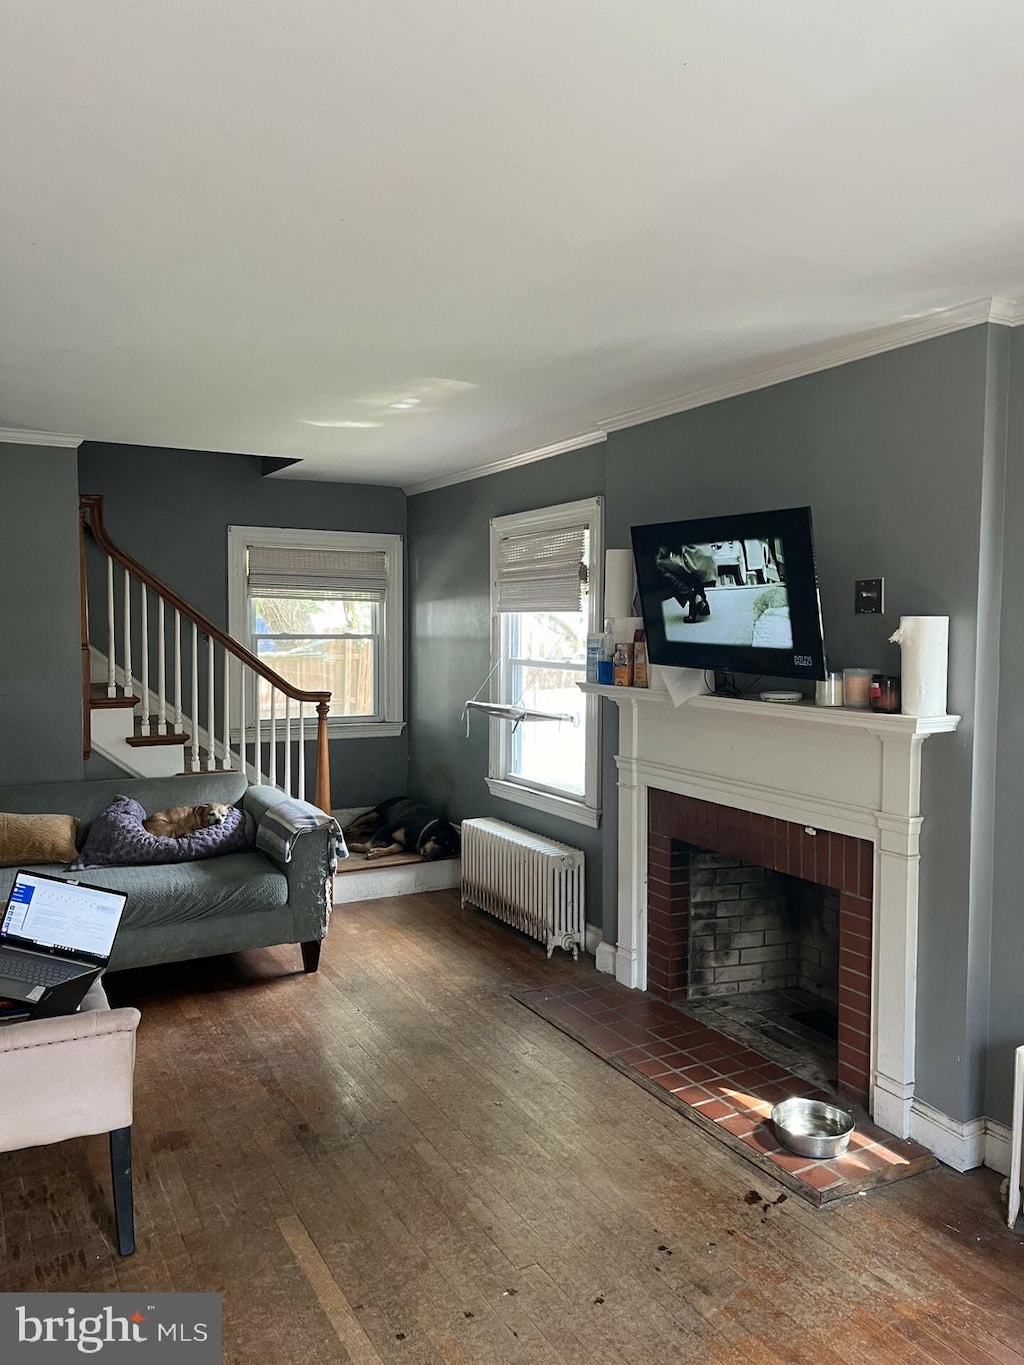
960,1145
593,940
604,958
964,1146
998,1146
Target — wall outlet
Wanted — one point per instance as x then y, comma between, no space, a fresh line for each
868,595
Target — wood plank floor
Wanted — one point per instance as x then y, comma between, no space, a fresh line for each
393,1161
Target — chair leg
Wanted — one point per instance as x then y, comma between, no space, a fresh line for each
121,1179
311,955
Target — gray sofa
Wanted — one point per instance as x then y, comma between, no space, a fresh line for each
198,909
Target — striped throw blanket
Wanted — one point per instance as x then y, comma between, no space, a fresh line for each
281,824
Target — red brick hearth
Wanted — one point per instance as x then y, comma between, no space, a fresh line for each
679,823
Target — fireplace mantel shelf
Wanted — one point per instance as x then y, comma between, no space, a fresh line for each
803,714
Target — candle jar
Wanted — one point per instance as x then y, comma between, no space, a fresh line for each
885,693
857,688
828,691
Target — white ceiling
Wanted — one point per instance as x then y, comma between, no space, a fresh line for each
227,222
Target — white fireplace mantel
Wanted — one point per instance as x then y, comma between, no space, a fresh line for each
851,772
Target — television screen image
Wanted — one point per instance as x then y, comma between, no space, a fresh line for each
729,592
737,593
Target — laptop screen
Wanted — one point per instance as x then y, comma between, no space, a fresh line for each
63,915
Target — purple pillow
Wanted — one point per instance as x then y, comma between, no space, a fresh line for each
116,839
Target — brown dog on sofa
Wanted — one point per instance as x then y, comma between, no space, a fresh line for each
180,821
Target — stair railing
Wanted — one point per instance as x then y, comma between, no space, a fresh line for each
240,671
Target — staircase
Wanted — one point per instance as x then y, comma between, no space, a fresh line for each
173,693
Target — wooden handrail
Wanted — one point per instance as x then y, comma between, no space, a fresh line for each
91,517
92,504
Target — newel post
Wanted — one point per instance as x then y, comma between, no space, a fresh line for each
83,599
323,758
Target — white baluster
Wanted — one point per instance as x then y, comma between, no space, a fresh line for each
195,699
211,742
144,626
241,714
288,745
273,735
257,748
179,719
111,661
302,751
227,709
129,682
161,669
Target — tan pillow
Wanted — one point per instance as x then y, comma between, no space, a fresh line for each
37,839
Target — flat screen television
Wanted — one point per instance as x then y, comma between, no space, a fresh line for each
734,593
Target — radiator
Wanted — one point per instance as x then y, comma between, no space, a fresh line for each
534,884
1017,1139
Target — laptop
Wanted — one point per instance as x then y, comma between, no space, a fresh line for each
55,939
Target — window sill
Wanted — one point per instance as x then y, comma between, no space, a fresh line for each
562,806
369,729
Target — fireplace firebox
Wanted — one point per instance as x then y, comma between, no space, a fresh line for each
753,851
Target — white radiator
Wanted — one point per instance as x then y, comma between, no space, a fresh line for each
1017,1140
534,884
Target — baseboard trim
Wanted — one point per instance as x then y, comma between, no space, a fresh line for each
605,958
593,940
998,1146
960,1145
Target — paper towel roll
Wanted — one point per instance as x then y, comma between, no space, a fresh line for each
619,586
924,649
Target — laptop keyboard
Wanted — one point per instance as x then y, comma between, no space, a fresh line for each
37,971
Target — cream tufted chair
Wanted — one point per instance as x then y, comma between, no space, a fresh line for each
69,1077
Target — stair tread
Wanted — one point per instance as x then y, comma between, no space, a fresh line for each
146,741
98,699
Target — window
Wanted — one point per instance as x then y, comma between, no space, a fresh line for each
323,609
545,600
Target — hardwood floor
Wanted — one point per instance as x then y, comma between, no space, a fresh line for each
392,1160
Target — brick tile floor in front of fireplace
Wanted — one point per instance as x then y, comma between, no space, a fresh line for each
724,1085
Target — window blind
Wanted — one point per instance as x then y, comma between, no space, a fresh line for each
281,571
541,570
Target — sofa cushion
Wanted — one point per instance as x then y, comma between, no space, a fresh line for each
36,839
117,838
237,884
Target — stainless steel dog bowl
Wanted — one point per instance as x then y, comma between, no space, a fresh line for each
812,1128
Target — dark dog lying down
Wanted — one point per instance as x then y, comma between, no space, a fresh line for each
401,825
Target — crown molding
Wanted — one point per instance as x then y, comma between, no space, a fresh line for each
11,436
589,438
1008,312
813,360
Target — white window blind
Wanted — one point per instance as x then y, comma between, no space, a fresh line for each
541,570
283,571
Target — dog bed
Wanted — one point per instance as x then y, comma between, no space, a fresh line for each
117,839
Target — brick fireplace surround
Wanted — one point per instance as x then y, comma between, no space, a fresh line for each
677,823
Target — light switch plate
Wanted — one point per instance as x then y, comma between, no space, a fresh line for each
868,595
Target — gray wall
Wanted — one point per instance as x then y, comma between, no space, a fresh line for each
40,658
1006,1008
889,452
450,638
170,509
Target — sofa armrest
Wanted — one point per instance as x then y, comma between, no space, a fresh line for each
309,869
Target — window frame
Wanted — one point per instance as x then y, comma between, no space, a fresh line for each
585,809
389,683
